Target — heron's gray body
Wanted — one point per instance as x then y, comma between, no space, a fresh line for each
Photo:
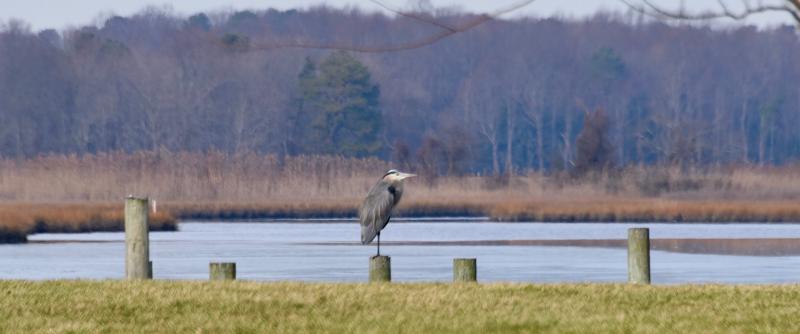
377,208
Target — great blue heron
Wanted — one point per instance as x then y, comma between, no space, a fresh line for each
377,207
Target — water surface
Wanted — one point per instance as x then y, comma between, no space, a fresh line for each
328,251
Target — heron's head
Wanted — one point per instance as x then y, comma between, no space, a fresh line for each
394,175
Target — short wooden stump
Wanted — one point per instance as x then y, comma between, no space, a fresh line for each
220,271
380,269
465,270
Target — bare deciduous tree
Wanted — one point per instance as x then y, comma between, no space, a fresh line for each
688,94
446,30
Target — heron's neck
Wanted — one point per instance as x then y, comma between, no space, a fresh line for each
397,185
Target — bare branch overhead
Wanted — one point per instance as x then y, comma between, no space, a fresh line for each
416,16
650,8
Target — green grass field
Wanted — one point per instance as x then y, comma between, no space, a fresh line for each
249,307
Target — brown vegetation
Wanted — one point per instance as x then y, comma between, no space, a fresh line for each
82,193
613,209
19,220
256,178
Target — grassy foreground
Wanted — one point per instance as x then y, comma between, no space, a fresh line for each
249,307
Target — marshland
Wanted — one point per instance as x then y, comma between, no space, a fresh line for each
560,151
71,193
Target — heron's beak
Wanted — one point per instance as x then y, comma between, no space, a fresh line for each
406,175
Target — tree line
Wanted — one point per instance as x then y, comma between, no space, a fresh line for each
507,96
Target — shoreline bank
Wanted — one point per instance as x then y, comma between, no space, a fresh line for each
19,220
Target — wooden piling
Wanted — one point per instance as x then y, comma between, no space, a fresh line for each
137,239
465,270
639,256
380,269
220,271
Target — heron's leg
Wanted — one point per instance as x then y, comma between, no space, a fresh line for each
379,244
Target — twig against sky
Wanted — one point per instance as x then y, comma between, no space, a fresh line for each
447,31
648,7
416,16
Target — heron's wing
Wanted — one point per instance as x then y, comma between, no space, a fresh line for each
375,211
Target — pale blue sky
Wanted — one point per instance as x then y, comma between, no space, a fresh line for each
59,14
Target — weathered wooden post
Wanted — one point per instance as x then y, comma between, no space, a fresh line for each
380,269
639,255
137,239
220,271
465,270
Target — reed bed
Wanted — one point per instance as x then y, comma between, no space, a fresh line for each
647,210
70,193
18,220
606,209
255,178
184,176
337,208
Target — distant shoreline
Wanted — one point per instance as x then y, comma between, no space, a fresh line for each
19,220
605,210
716,246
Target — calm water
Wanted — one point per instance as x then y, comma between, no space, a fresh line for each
281,251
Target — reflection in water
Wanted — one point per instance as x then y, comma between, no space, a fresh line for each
746,247
754,247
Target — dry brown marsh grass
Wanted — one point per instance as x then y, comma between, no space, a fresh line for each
69,193
18,220
647,210
181,176
253,178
